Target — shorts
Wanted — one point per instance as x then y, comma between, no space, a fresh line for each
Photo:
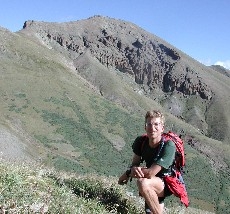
167,193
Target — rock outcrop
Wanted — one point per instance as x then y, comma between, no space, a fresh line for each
128,48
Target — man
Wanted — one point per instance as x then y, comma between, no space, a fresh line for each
158,155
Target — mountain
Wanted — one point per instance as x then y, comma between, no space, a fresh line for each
163,73
74,95
221,69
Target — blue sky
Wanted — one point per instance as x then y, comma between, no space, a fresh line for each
199,28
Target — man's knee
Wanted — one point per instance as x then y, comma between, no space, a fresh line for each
144,184
153,184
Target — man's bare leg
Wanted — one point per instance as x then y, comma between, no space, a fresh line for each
151,189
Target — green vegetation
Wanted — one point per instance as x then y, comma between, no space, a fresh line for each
87,137
224,198
25,191
87,126
35,189
32,188
202,186
110,195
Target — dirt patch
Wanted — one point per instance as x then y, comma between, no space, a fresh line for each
11,147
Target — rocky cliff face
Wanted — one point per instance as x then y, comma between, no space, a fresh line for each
128,48
161,71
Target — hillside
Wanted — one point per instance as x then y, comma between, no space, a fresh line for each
73,96
221,70
36,189
164,73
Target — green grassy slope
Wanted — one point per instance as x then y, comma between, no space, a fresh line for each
32,188
67,124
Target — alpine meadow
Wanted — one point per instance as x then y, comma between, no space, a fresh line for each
73,99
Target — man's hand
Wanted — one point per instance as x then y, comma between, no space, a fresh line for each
136,172
123,179
152,171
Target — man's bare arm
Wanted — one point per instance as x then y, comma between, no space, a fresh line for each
129,173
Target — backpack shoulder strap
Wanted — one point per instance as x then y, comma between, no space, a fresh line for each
160,149
144,137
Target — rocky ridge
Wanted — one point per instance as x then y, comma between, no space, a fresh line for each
161,71
126,47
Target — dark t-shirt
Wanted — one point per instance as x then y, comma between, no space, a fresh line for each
165,150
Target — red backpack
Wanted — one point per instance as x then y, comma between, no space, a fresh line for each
175,181
180,156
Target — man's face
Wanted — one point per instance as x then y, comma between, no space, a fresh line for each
154,128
